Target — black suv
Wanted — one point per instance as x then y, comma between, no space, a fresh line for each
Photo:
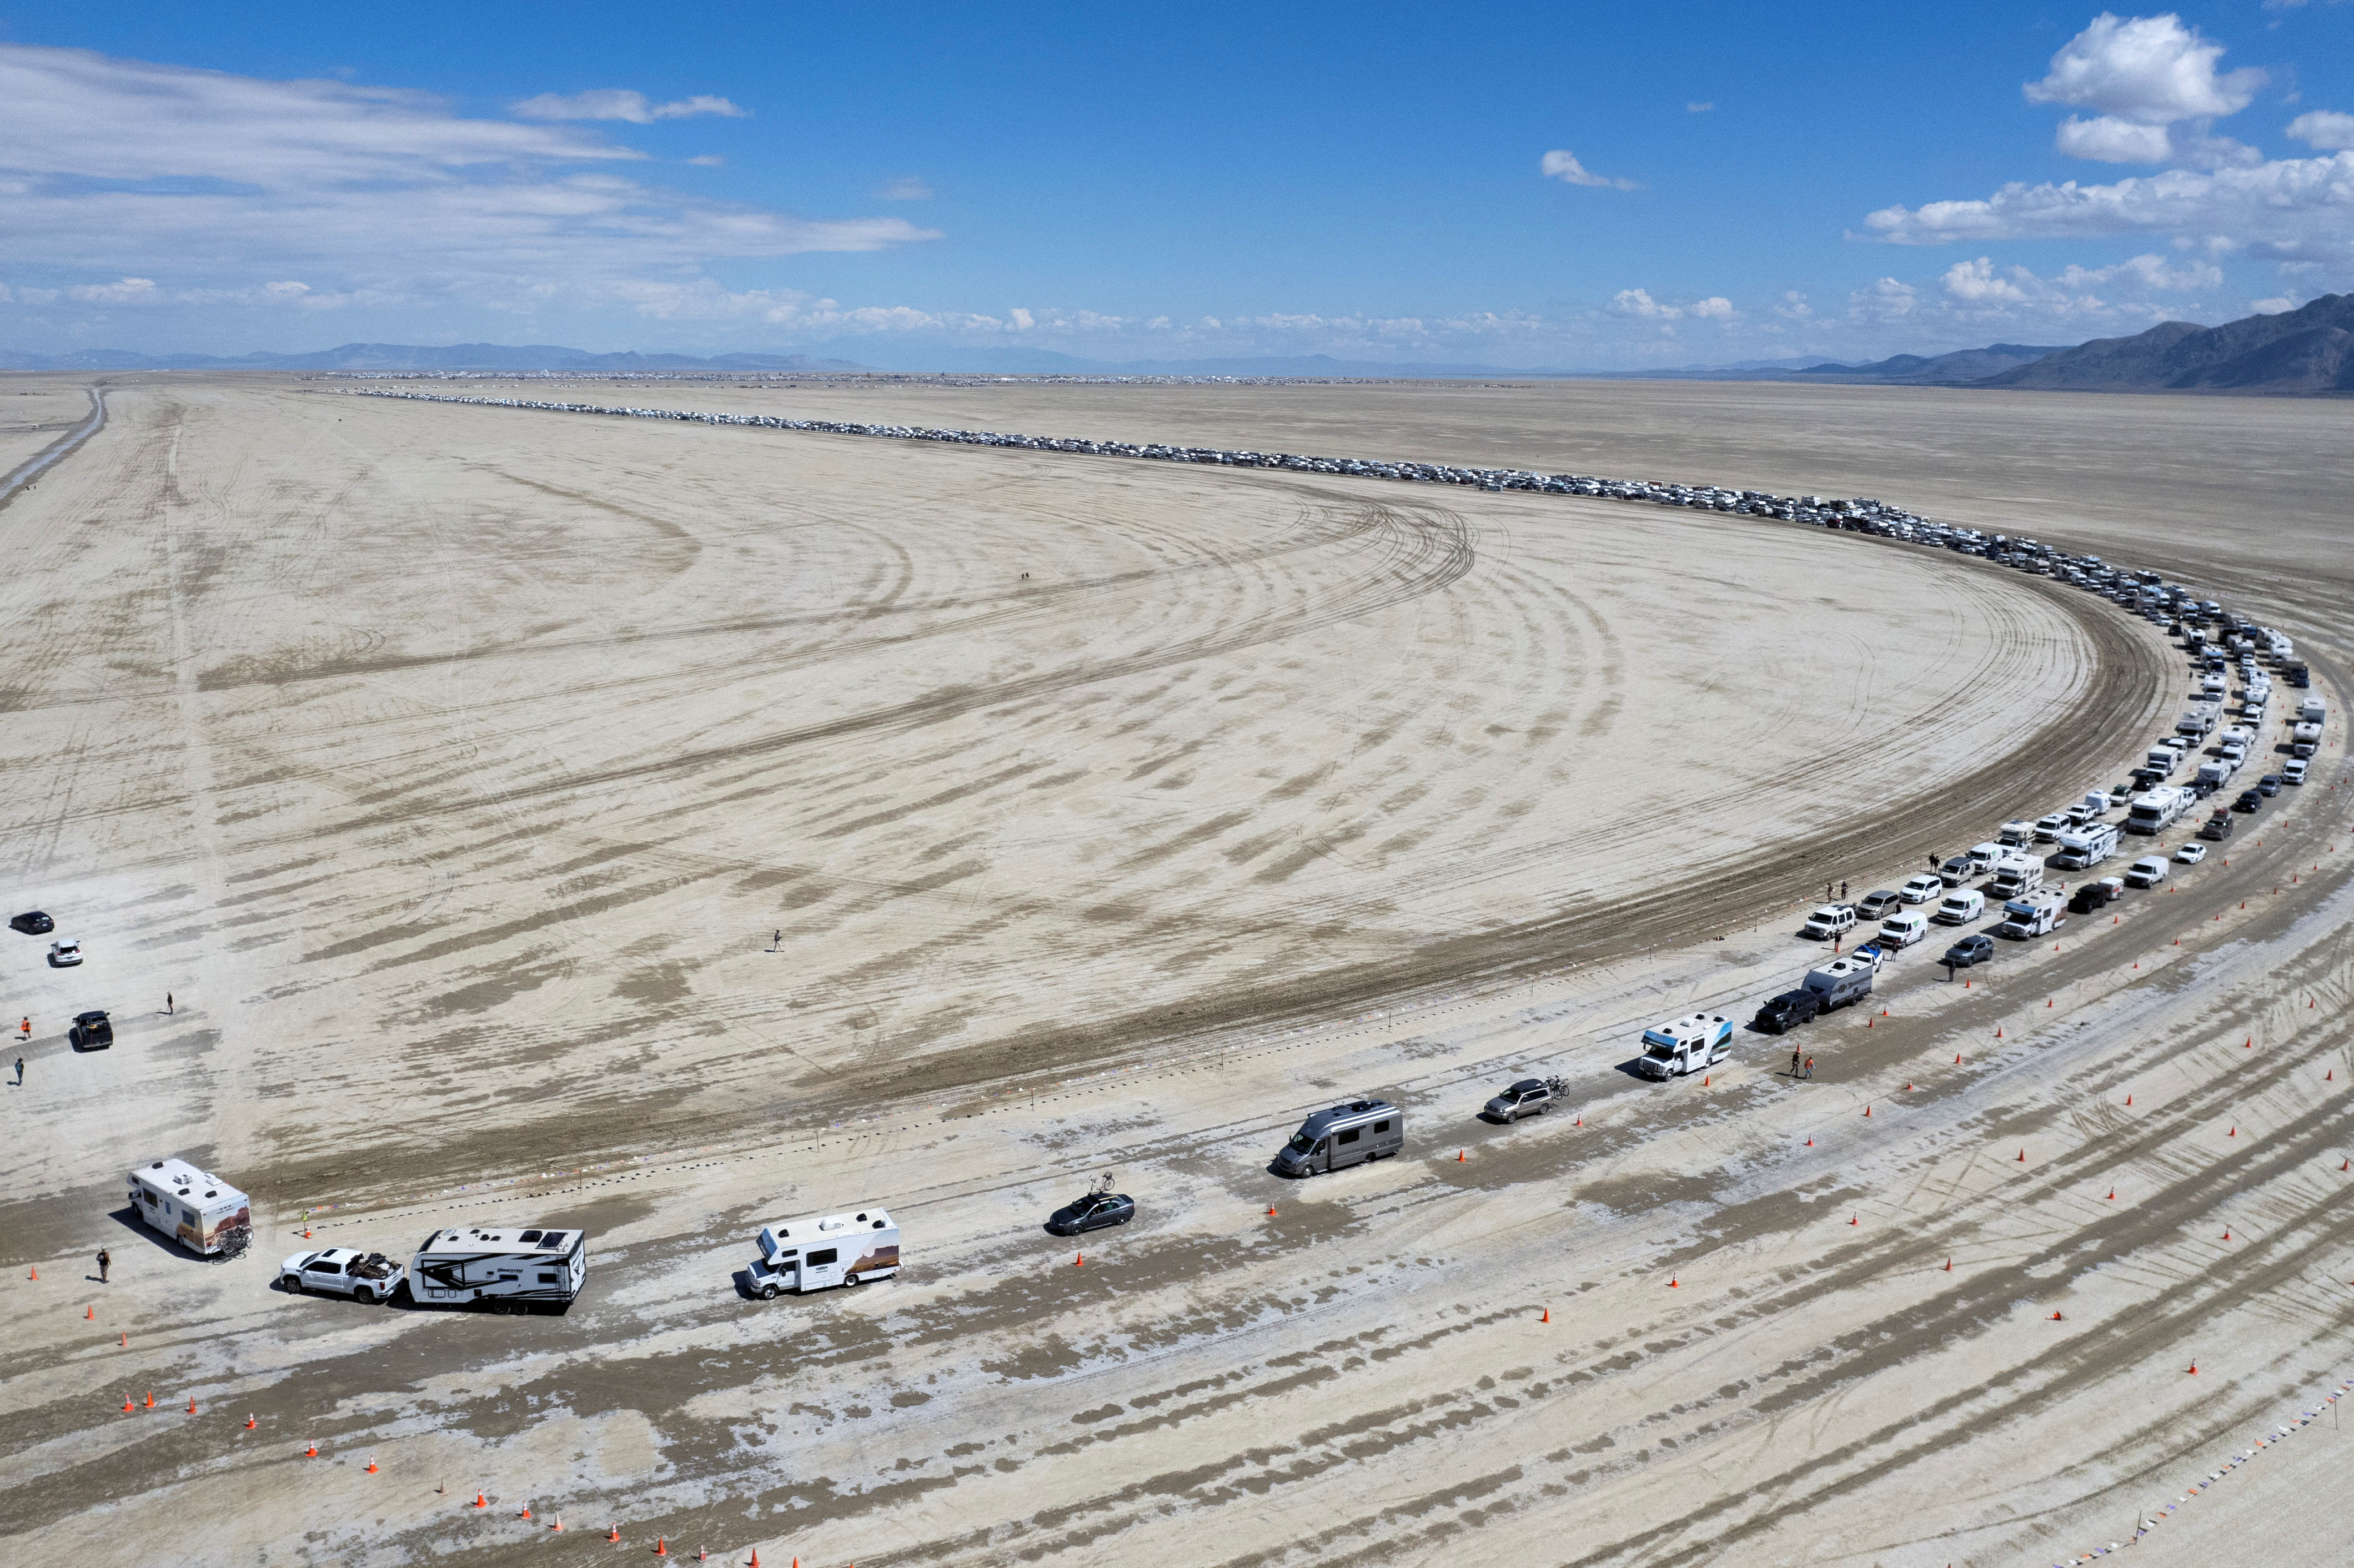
91,1030
1970,951
1787,1012
2092,895
2249,801
33,923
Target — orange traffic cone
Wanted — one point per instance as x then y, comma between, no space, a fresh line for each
151,1399
1079,1260
2227,1236
1867,1110
558,1525
2055,1317
1671,1282
33,1274
527,1513
482,1501
371,1464
1810,1143
129,1404
2113,1195
1949,1265
2234,1133
1957,1058
2023,1157
2128,1099
660,1550
1546,1317
2194,1368
311,1452
249,1422
1458,1156
126,1341
192,1405
89,1314
1855,1219
1270,1211
756,1559
1704,1080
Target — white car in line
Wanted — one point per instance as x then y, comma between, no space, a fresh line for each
2190,854
365,1276
1923,888
63,954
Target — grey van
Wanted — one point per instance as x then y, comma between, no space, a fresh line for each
1345,1135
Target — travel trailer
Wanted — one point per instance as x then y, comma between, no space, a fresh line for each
505,1271
195,1208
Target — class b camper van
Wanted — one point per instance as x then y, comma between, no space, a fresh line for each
824,1251
196,1208
1345,1135
503,1270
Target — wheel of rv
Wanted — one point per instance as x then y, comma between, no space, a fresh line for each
768,1293
849,1279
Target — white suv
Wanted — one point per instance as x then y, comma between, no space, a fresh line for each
62,954
1922,887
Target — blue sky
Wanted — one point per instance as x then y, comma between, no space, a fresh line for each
1565,185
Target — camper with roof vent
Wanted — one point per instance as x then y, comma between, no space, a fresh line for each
1343,1135
508,1271
824,1251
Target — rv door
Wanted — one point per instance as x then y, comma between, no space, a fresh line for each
820,1268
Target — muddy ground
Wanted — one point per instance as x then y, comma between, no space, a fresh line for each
457,771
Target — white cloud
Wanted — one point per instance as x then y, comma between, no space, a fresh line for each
1563,165
2149,274
2273,306
1697,108
1976,280
2287,207
1021,319
708,161
908,188
210,183
1637,304
127,292
621,104
1885,300
1794,306
2326,128
2110,140
2150,69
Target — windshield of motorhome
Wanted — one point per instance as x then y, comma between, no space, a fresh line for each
1301,1142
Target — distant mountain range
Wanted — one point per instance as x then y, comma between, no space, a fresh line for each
1962,366
2309,350
2300,353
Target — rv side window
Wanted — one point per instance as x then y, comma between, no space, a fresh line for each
548,1278
820,1259
509,1277
1348,1137
1381,1127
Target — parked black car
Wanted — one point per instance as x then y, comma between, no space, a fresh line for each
91,1030
2090,896
1787,1012
1970,951
2249,801
33,923
1092,1212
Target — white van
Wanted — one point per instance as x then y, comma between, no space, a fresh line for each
1902,931
2147,872
824,1251
1985,855
1961,908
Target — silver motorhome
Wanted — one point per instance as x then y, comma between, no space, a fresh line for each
196,1208
530,1270
2086,846
2158,809
1343,1135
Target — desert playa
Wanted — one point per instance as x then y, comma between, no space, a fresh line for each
661,830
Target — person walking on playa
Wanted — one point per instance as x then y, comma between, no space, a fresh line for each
1793,1064
167,1004
20,1072
104,1263
1810,1067
27,1027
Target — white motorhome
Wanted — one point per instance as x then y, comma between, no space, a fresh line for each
2312,710
196,1208
824,1251
2017,875
2158,809
510,1271
2037,915
2086,846
2305,739
2017,834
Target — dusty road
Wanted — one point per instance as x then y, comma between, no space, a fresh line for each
456,769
